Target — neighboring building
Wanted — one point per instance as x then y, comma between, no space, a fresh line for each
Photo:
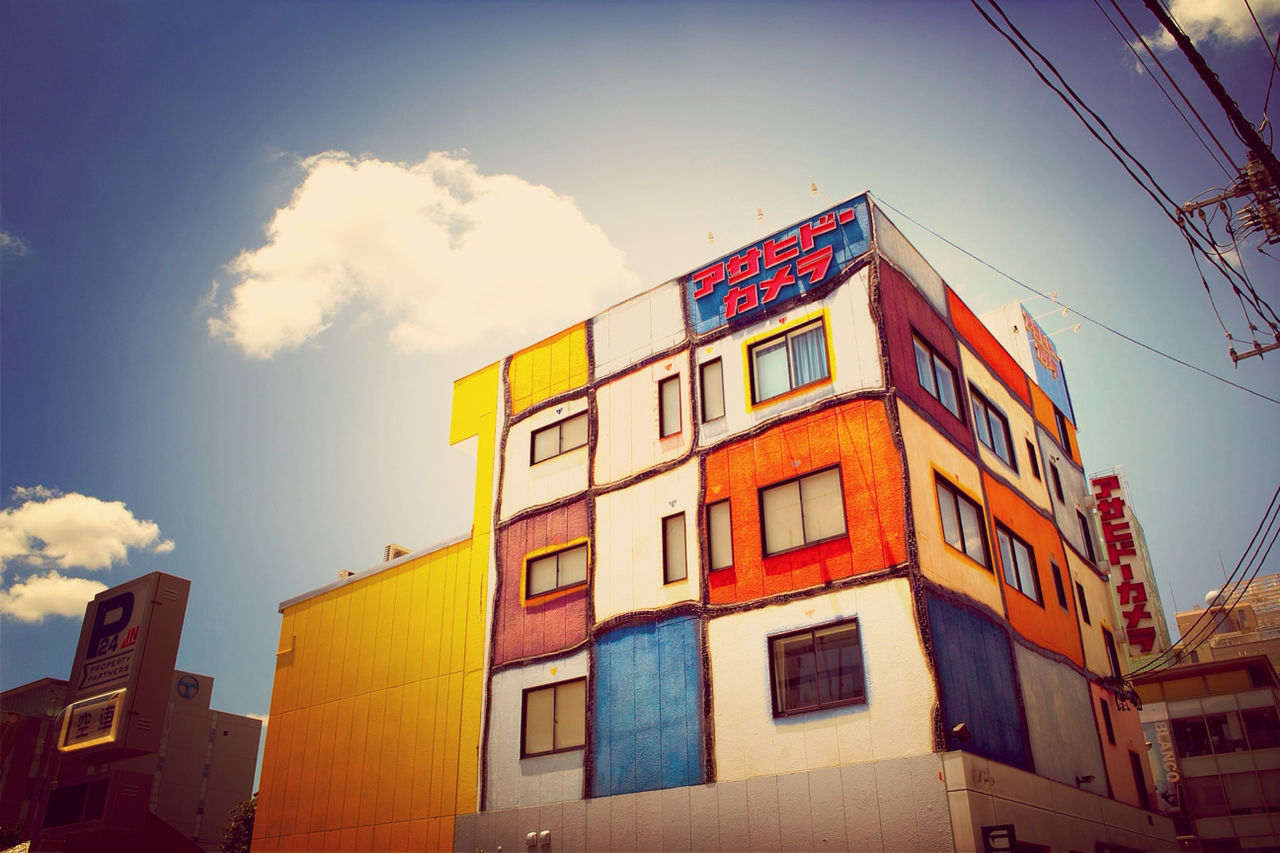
1214,730
789,552
1234,623
28,729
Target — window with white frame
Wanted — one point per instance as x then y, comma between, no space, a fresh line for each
962,523
711,385
558,570
788,361
802,511
669,406
992,427
1019,562
937,376
675,566
720,535
817,668
554,718
561,437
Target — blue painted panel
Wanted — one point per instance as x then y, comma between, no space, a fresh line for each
647,725
741,287
1050,374
979,686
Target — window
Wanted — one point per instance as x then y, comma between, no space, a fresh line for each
816,668
1139,780
802,511
556,571
1019,562
1106,721
992,427
1057,483
711,382
720,535
1086,534
560,437
962,526
555,718
1062,429
674,565
1262,726
1084,605
1058,588
1113,659
1035,463
669,406
936,376
791,360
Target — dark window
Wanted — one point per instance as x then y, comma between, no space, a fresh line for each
1031,456
1062,429
1204,797
788,361
1139,780
992,427
711,385
802,511
1244,793
556,571
560,437
962,522
1191,736
1019,562
555,718
1057,483
1058,588
1113,658
1086,534
720,535
1106,721
669,406
1262,726
674,565
816,668
1083,604
936,376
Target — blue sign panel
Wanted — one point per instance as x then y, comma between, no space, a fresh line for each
741,287
1049,373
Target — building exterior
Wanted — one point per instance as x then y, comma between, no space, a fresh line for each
1215,734
788,552
28,731
1235,622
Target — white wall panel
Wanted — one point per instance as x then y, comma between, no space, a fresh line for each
513,781
627,407
524,484
1060,721
905,257
638,328
629,543
1075,488
897,719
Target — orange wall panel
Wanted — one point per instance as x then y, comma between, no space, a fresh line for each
978,336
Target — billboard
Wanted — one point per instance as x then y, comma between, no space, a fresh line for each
123,667
744,286
1049,374
1131,576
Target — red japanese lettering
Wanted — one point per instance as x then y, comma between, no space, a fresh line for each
1135,615
707,279
1115,531
1110,508
1104,486
824,223
815,265
779,249
742,298
780,279
1131,592
1143,638
846,216
744,266
1117,550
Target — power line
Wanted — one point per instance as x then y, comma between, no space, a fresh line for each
1097,323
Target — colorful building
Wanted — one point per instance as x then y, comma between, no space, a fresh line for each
788,552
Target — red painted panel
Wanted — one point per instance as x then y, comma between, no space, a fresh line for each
1129,737
858,437
996,357
551,622
1045,624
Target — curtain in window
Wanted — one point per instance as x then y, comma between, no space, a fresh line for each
808,356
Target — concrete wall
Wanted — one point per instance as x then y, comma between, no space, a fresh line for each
1061,721
627,438
638,328
514,781
1101,606
896,719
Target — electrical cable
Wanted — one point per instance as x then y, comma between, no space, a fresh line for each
1274,62
1097,323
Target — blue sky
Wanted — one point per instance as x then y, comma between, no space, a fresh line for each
236,289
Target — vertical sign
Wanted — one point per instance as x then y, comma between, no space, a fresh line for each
1164,765
1129,569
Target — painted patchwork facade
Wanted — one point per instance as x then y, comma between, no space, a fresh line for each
787,521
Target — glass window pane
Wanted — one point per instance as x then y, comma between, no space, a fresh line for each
573,433
1191,737
720,535
971,524
839,664
771,375
950,521
669,406
999,438
546,443
808,356
1262,726
1026,570
1270,780
573,566
539,716
980,422
794,673
1225,734
1244,794
1204,796
783,526
712,390
823,505
947,387
571,714
1006,558
924,369
673,549
542,575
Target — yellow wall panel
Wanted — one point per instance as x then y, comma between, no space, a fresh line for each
410,723
338,783
355,779
389,743
400,624
417,625
325,765
373,758
424,750
548,368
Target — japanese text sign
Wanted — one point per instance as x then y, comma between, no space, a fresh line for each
745,285
1048,365
1127,559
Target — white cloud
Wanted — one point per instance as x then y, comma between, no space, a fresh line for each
48,595
73,531
12,243
1222,21
450,256
262,718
